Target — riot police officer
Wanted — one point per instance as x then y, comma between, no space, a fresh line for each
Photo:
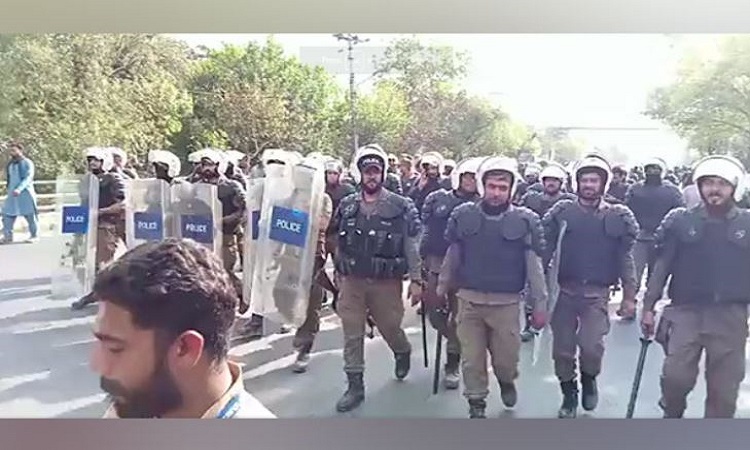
553,178
593,240
110,232
429,181
495,249
120,163
166,165
619,187
378,245
706,251
449,166
437,209
650,200
232,197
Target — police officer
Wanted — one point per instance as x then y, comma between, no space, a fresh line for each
407,173
495,249
166,165
706,251
595,252
449,166
337,191
553,178
232,198
120,163
650,200
429,181
530,181
619,187
378,245
435,213
110,233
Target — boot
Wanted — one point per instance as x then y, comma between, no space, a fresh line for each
403,365
303,359
569,408
452,379
589,392
508,394
476,409
355,393
83,302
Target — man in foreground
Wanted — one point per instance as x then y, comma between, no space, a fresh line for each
162,333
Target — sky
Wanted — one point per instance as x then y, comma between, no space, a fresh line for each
544,80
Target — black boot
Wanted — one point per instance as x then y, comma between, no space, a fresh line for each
589,392
508,394
355,393
303,358
452,378
569,408
83,302
403,365
476,409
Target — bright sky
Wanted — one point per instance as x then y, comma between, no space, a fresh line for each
545,80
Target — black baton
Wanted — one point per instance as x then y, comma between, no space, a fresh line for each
638,375
438,352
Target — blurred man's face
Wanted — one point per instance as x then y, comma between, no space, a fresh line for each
552,185
497,189
406,167
161,170
618,177
15,152
94,164
209,169
715,191
372,178
590,185
134,371
332,177
531,178
653,171
117,160
431,171
468,183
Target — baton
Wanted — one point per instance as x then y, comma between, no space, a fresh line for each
424,335
645,342
438,352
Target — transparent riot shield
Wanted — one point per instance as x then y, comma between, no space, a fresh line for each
196,214
254,205
288,232
76,221
147,216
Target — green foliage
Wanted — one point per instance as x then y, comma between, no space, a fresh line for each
709,102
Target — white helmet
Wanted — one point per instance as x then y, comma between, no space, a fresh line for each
726,167
116,151
468,165
656,162
368,151
449,163
554,170
169,159
216,157
496,163
234,157
592,161
334,165
533,169
434,159
103,154
196,156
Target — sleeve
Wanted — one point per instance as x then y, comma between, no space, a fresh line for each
428,207
326,213
451,229
240,195
118,187
538,294
666,246
449,269
627,263
551,230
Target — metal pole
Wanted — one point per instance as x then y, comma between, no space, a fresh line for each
351,41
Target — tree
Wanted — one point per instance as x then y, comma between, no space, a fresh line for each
66,92
709,102
254,97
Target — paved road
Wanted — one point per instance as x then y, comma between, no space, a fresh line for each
44,364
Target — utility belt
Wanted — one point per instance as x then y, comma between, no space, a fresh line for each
372,267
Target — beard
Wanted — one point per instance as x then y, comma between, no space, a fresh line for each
371,187
158,397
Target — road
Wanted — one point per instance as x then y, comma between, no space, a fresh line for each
44,364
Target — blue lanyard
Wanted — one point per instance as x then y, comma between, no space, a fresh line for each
230,409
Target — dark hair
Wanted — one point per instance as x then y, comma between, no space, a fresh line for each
15,144
171,287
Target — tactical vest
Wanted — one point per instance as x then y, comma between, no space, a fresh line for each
493,259
433,240
337,193
650,204
591,253
712,261
373,247
541,203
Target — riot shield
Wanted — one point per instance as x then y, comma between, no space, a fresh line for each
254,204
147,204
288,229
196,213
76,221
